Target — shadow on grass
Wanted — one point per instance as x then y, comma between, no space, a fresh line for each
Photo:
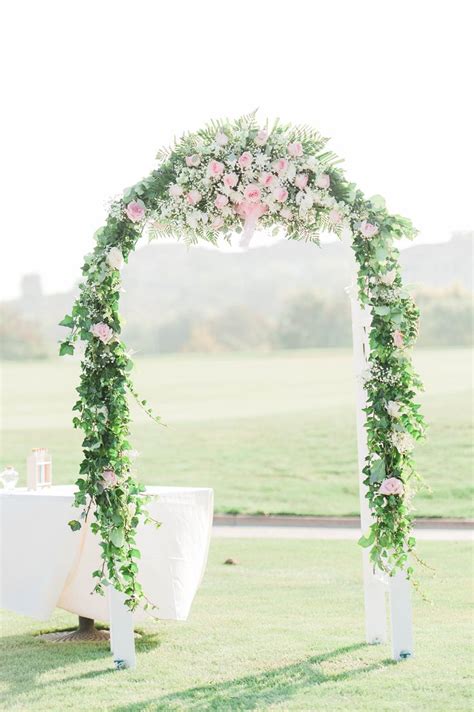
246,693
25,658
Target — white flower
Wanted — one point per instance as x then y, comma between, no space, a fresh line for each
290,172
132,454
175,190
192,219
393,408
306,202
402,440
261,160
388,278
115,258
312,163
221,139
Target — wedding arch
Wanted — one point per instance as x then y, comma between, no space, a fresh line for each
227,178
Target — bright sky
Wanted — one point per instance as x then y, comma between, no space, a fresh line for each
93,88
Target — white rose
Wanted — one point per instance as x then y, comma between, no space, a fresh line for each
132,454
388,278
403,441
192,219
312,163
221,139
393,409
115,258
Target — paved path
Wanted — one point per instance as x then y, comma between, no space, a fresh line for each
244,531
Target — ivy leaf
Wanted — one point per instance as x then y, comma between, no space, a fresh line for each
368,540
377,471
75,525
382,311
67,321
66,349
117,538
378,202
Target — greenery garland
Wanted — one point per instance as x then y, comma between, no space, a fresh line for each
213,183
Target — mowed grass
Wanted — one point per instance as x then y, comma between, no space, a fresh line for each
282,630
271,433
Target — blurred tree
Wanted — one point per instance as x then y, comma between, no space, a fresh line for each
311,319
20,338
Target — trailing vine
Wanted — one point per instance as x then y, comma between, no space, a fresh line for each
224,179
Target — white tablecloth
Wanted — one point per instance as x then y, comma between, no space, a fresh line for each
44,564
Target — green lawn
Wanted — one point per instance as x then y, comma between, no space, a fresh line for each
272,433
282,630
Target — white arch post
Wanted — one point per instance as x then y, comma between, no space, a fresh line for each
377,586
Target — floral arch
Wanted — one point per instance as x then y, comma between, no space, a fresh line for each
227,178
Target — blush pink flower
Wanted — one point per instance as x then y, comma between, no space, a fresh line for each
109,479
215,169
217,223
261,138
193,161
252,193
323,181
230,180
301,181
367,229
103,332
397,337
175,190
280,194
286,213
136,210
221,201
193,197
281,165
245,160
267,179
392,485
334,216
295,149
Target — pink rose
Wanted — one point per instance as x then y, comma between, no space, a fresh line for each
193,161
230,180
267,179
295,149
136,210
261,138
221,201
109,479
175,190
217,223
367,229
193,197
280,194
286,213
323,181
215,169
301,180
281,165
245,160
252,193
334,216
397,337
221,139
392,485
103,332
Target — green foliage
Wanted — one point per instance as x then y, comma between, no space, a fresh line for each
108,483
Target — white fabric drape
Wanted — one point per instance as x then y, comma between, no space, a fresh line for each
44,564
